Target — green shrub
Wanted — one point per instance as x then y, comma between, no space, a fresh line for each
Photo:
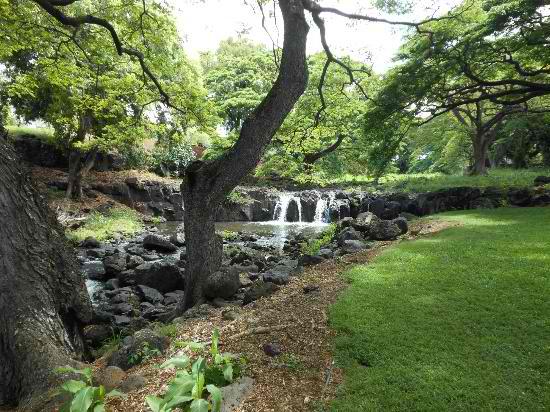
195,386
313,246
170,159
238,198
143,354
84,396
121,220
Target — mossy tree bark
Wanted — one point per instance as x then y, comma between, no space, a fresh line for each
43,298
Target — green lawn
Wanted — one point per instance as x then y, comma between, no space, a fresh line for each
124,221
427,182
458,321
43,133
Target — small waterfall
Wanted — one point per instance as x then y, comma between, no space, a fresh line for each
281,208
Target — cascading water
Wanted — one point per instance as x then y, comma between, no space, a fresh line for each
323,207
281,208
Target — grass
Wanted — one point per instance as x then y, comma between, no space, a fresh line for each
124,221
458,321
427,182
42,133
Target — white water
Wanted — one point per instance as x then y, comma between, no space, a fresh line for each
282,205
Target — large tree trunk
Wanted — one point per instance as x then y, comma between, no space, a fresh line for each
79,166
206,185
481,148
43,298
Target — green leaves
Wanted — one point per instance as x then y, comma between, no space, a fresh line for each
179,363
216,395
83,399
199,405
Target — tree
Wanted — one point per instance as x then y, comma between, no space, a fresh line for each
207,184
43,299
93,102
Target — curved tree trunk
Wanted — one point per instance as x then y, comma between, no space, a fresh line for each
479,165
79,166
43,299
206,185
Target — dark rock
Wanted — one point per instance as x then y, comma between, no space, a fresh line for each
311,288
345,222
183,254
222,284
96,335
101,316
110,378
326,253
240,258
376,228
174,297
310,260
150,295
259,290
220,303
122,309
272,349
127,278
177,239
542,180
133,383
154,313
122,321
95,270
520,197
158,243
135,261
95,253
348,233
402,224
115,264
112,284
91,243
133,347
353,246
162,276
293,211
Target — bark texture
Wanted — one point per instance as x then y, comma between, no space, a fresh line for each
207,184
43,298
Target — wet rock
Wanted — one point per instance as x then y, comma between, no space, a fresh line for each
162,276
150,295
158,243
112,284
95,270
115,264
127,278
91,243
133,347
222,284
258,290
134,261
95,253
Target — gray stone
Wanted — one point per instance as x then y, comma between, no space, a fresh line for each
233,395
174,297
222,284
348,233
258,290
353,246
111,377
91,243
310,260
162,276
158,243
150,295
402,224
95,270
178,239
133,346
134,261
115,264
133,383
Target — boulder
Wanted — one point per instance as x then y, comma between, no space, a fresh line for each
178,238
91,243
348,233
111,377
133,383
158,243
171,298
134,349
115,264
95,335
222,284
542,180
353,246
150,295
162,276
376,228
402,224
310,260
259,290
95,270
135,261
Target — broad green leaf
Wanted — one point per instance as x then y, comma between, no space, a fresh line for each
216,395
215,342
228,372
194,346
154,402
83,400
73,386
198,366
198,388
115,394
100,407
199,405
178,401
180,362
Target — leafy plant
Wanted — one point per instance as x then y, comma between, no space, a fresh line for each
169,330
193,388
313,246
229,235
84,396
239,198
144,353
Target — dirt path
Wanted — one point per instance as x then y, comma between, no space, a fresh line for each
303,377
